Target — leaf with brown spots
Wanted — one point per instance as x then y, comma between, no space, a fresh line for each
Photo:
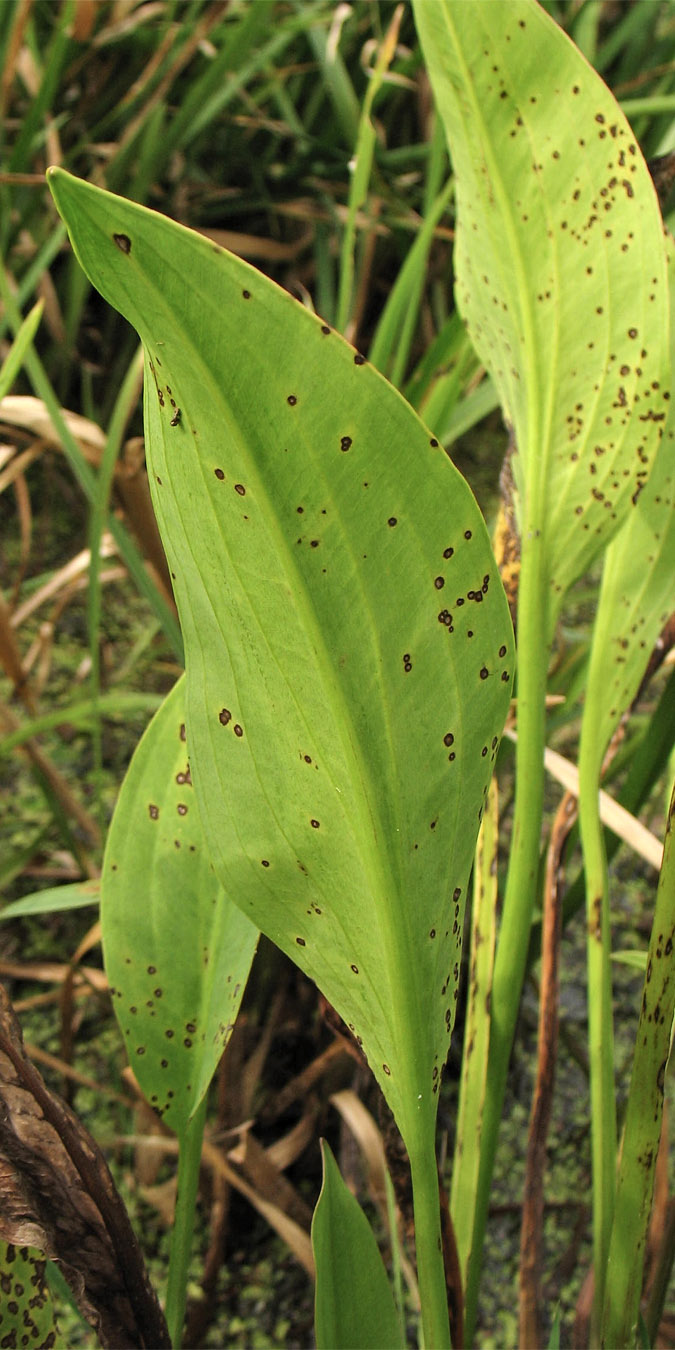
333,811
177,951
560,266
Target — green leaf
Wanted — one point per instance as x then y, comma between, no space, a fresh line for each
27,1315
354,1305
637,597
349,648
177,951
54,899
560,267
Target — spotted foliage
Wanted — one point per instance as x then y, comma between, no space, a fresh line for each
560,265
177,951
330,654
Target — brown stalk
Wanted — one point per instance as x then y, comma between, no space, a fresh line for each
531,1235
57,1194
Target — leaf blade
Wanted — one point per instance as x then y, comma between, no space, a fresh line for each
313,528
354,1304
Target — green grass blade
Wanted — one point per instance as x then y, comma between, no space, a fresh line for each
54,900
83,713
17,352
354,1305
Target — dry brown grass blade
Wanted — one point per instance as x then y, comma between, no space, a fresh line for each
51,972
12,49
254,1164
131,485
58,1196
295,1237
285,1151
368,1136
11,659
91,939
23,410
74,571
13,464
303,1082
615,817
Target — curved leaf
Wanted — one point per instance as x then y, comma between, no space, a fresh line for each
560,267
636,600
354,1306
349,648
177,951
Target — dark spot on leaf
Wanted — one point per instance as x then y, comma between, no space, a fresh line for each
325,329
467,534
392,521
153,811
448,552
315,824
301,942
359,360
355,969
439,583
292,400
224,716
238,731
264,862
433,443
632,332
176,418
484,672
239,487
187,1042
502,651
219,474
123,242
181,809
345,443
387,1070
448,739
246,295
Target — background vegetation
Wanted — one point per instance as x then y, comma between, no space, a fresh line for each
249,121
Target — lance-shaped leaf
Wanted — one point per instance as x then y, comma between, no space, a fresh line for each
354,1305
177,950
349,648
560,267
636,600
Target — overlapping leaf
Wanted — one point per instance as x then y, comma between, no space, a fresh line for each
560,267
177,950
349,648
637,596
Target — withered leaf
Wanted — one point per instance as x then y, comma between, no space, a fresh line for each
57,1195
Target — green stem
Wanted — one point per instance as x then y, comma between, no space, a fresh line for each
521,885
429,1249
189,1158
600,1028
